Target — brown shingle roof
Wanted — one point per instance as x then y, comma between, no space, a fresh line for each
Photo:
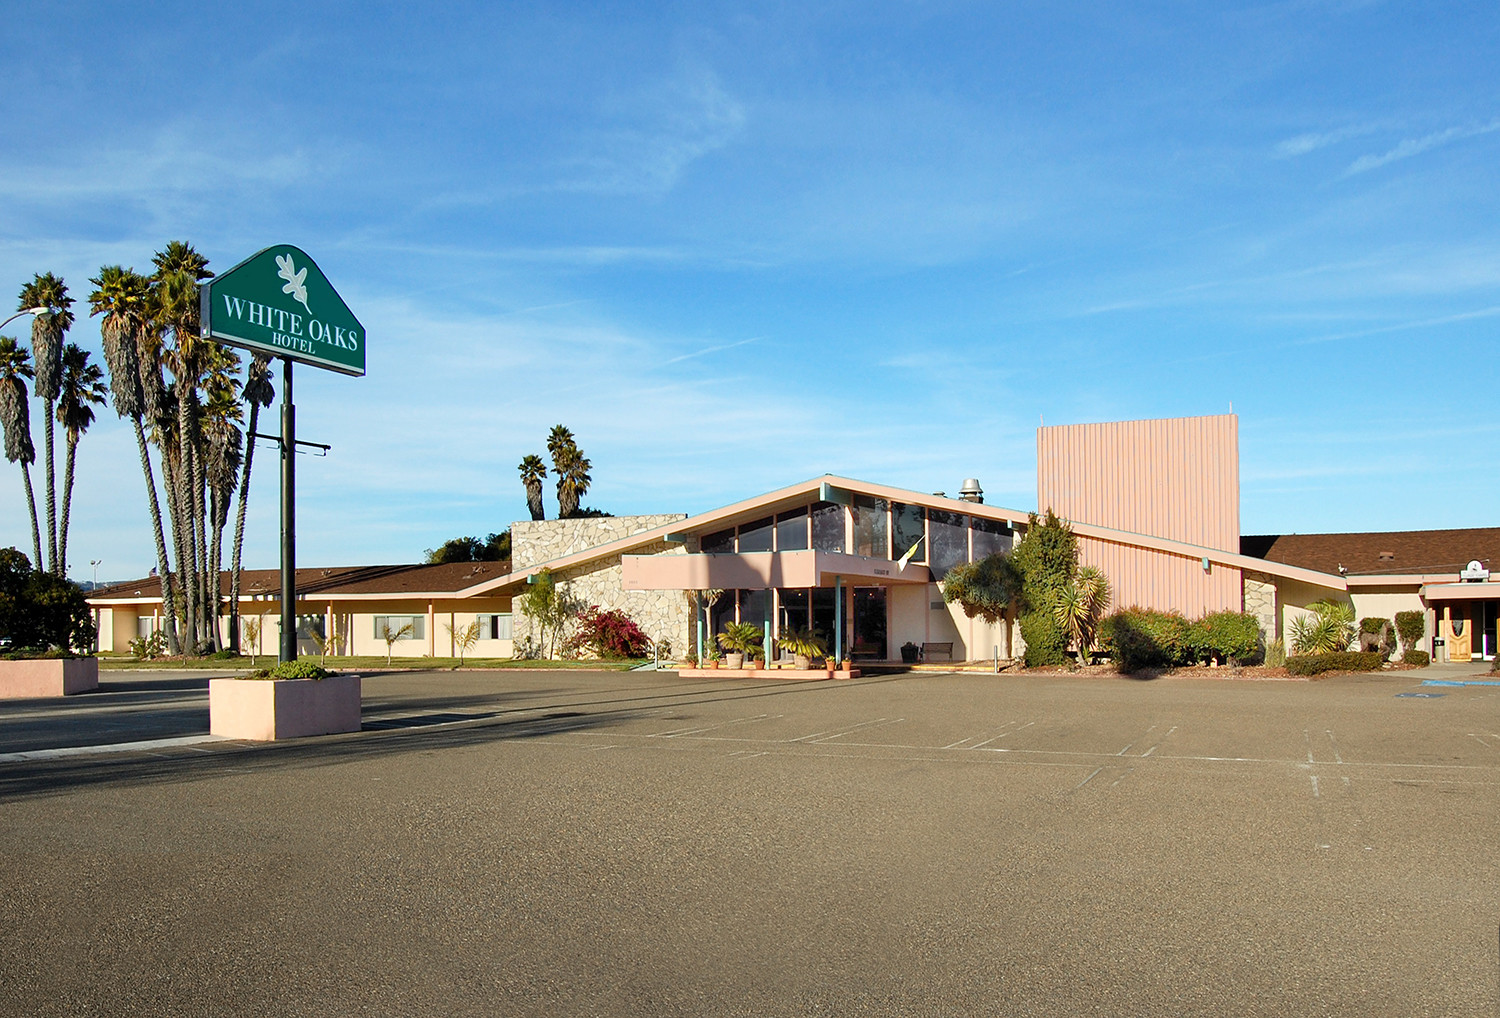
397,579
1401,552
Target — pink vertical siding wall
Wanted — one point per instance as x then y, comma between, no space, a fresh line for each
1177,479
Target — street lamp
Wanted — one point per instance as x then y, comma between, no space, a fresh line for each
24,311
95,563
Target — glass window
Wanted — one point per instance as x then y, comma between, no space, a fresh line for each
756,536
395,623
309,626
828,526
720,543
871,527
494,627
721,613
908,525
991,536
949,534
791,531
755,607
794,611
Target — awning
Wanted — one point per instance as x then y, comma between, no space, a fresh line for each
761,570
1461,592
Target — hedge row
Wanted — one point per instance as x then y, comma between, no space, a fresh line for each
1420,658
1340,661
1139,638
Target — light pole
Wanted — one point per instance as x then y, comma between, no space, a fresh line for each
24,311
95,563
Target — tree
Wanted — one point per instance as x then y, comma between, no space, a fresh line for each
47,330
571,468
533,472
258,392
463,639
985,589
390,636
1047,557
15,417
494,548
548,607
40,611
135,386
79,391
1079,608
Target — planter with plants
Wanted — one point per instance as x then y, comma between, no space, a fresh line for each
740,640
803,645
46,633
289,701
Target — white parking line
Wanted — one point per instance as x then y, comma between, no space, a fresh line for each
679,732
1334,743
986,742
865,726
117,747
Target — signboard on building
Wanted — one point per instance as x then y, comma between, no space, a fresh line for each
279,302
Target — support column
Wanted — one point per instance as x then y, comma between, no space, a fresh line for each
288,516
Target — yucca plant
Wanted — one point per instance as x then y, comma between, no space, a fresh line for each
1079,608
1328,629
803,644
742,638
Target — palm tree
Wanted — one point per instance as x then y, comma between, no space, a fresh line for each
179,269
572,470
533,471
258,392
82,384
120,295
47,329
221,453
15,418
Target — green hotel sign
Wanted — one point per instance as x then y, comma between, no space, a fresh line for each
279,302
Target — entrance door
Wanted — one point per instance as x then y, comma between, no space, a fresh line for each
869,624
1484,628
1460,633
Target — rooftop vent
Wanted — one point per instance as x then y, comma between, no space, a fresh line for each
1387,556
971,491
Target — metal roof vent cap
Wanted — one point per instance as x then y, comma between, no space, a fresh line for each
971,491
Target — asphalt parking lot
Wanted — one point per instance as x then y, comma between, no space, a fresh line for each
569,843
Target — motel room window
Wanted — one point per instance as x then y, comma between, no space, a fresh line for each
721,613
395,623
828,527
494,627
991,536
309,626
756,536
755,607
908,525
949,537
791,531
718,543
872,527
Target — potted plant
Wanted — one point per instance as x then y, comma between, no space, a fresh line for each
711,656
739,640
690,661
803,645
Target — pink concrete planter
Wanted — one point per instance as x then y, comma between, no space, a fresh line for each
265,709
794,674
58,677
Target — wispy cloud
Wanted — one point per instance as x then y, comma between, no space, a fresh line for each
1415,146
708,350
1302,144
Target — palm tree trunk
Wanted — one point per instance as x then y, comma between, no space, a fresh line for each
163,568
200,536
171,468
67,503
239,530
215,587
51,493
36,534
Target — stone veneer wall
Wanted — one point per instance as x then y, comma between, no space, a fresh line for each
533,542
1260,601
663,615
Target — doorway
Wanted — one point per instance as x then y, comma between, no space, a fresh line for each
869,642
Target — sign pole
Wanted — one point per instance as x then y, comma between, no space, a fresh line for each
288,517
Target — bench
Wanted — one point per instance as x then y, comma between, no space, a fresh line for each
945,649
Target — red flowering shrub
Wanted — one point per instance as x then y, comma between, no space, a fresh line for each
608,634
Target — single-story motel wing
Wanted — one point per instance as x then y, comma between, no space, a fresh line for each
1155,505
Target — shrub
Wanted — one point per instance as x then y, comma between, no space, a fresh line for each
298,669
1336,661
1410,626
1139,638
1420,658
1372,625
1226,636
40,611
149,648
608,634
1276,654
1045,642
1329,628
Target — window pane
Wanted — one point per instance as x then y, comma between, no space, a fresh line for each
949,534
755,607
721,543
791,531
721,614
908,529
991,536
871,530
756,536
828,527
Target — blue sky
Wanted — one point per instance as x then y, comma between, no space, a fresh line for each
734,246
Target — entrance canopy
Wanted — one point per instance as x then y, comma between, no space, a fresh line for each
1460,591
763,570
